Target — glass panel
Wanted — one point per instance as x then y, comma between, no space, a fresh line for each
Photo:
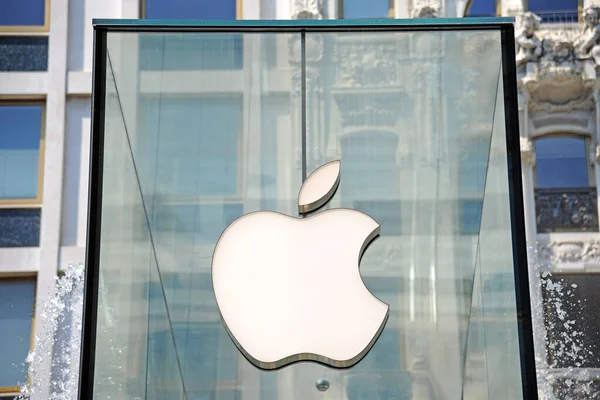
20,133
17,299
22,12
411,116
421,173
23,53
496,258
185,9
126,262
366,9
20,227
205,154
561,162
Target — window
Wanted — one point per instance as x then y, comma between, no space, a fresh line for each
571,303
356,9
21,166
561,162
555,11
17,299
186,9
24,15
565,198
481,8
23,53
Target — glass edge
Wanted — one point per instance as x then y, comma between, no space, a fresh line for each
458,22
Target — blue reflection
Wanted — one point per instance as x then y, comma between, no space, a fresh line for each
23,12
366,9
17,298
561,162
542,6
191,9
482,8
198,145
172,52
20,132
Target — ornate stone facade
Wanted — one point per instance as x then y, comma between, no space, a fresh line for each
555,66
571,251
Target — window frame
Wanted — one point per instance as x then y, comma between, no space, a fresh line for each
587,140
6,30
498,4
37,201
239,9
391,10
4,276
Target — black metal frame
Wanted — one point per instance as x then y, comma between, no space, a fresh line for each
92,272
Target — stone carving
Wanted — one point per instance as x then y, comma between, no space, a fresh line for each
527,151
424,12
307,9
366,64
571,251
589,44
556,82
528,45
594,154
566,210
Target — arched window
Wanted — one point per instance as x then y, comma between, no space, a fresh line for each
481,8
564,179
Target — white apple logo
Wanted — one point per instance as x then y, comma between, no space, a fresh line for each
289,289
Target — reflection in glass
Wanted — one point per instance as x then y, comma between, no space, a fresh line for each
214,138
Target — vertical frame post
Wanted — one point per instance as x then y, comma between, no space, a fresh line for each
94,220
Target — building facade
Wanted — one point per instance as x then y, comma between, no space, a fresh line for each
45,89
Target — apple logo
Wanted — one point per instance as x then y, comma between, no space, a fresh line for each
289,289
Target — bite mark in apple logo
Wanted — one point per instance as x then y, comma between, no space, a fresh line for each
289,289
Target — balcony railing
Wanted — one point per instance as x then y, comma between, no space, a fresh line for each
559,17
566,210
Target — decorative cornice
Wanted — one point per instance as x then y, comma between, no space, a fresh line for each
571,251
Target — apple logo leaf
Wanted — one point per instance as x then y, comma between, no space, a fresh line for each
319,187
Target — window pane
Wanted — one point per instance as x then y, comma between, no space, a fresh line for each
22,12
555,11
20,131
187,9
366,9
552,5
23,53
561,162
571,304
20,227
480,8
17,298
